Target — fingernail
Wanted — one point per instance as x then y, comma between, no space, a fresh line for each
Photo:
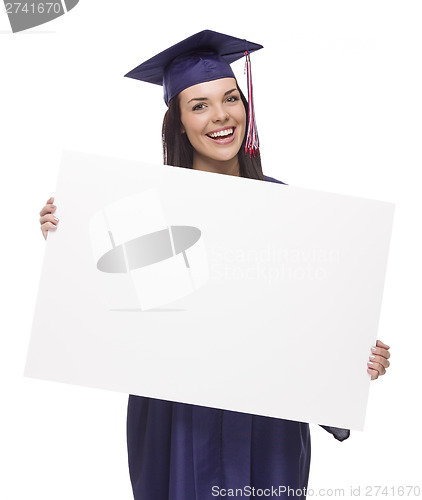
370,363
372,356
56,219
373,349
53,206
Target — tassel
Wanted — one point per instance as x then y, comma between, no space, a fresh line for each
252,140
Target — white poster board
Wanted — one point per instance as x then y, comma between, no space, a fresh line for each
211,290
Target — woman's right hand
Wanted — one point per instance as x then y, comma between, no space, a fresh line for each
48,220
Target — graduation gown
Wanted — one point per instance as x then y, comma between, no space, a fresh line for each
179,451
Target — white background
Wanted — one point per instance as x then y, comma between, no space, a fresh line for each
338,104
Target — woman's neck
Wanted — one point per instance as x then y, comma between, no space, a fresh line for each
229,167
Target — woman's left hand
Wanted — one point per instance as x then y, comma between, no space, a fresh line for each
378,360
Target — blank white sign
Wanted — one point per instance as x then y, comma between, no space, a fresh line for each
212,290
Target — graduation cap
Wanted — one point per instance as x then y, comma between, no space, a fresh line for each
202,57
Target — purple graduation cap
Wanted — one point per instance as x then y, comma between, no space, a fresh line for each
202,57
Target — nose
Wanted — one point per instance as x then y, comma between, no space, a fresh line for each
220,114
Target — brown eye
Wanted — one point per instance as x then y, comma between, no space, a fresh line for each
198,107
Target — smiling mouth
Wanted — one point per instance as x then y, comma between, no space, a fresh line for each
222,134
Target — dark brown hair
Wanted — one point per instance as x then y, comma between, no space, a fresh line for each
178,151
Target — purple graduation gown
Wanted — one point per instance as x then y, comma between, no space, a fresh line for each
179,451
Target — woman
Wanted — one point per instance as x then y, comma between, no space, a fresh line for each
185,452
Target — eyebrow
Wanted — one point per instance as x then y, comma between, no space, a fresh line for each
206,98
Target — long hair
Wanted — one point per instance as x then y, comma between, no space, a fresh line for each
178,151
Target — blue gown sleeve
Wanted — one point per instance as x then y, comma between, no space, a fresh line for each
337,432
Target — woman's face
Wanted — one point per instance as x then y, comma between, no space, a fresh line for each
214,118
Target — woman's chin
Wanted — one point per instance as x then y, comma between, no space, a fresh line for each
224,154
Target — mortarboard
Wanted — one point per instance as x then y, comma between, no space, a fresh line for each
202,57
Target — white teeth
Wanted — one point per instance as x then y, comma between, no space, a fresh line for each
222,133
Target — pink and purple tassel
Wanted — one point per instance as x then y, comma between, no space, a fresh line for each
252,140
